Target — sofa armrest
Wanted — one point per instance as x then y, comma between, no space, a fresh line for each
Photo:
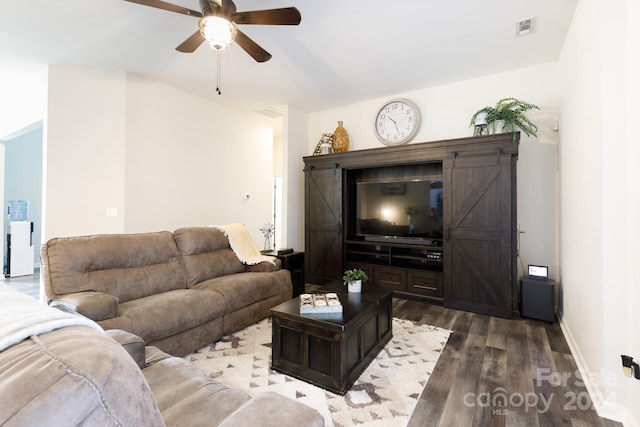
265,267
132,343
270,409
96,306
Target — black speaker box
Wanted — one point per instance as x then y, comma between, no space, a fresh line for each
539,298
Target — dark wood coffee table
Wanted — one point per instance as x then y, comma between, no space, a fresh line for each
332,350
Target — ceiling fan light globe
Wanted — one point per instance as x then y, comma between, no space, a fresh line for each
217,31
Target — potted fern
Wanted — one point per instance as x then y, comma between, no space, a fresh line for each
354,279
508,115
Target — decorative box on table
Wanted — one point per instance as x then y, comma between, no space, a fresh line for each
320,303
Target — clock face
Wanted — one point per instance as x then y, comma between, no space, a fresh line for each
397,122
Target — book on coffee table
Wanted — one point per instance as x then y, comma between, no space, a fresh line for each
320,303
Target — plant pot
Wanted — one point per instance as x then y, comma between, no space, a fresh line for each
481,119
497,127
355,286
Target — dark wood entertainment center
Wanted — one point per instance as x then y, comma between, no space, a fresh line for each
471,266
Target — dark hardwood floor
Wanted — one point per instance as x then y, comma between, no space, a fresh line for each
499,372
492,371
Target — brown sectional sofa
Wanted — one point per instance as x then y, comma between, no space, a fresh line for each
61,369
177,291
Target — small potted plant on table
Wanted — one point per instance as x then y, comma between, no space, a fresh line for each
354,279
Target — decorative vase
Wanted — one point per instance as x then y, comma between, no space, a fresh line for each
355,286
340,139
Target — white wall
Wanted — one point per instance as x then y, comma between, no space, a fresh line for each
24,97
189,162
84,151
630,343
162,157
278,167
599,73
446,112
293,149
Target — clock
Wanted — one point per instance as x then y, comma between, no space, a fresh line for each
397,122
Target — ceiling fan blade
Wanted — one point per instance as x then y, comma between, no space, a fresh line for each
159,4
252,48
192,43
283,16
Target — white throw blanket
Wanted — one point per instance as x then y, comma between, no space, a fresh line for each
22,316
242,244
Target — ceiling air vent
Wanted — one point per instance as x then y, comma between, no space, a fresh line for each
525,26
269,112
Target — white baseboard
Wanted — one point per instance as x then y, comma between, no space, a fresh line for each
606,409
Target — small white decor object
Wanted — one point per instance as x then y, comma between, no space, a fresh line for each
268,231
355,286
324,146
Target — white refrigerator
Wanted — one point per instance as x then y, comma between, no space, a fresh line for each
20,255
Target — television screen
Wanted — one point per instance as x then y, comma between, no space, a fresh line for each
409,209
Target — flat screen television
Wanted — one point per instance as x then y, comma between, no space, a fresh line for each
407,211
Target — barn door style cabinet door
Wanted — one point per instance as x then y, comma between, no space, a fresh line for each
470,266
480,230
323,222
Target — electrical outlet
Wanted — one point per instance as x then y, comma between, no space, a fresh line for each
112,211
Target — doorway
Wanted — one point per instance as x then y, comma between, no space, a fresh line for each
22,176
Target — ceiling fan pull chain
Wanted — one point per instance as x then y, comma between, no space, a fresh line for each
218,51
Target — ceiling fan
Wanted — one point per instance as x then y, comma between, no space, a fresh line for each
219,22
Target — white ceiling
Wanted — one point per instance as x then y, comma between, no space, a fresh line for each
343,51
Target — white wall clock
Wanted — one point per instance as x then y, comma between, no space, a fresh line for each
397,122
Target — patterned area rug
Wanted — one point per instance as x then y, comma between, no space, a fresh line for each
385,394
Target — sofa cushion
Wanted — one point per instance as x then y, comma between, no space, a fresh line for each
265,266
94,305
243,289
119,322
133,344
168,313
187,397
206,254
270,409
127,266
73,376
